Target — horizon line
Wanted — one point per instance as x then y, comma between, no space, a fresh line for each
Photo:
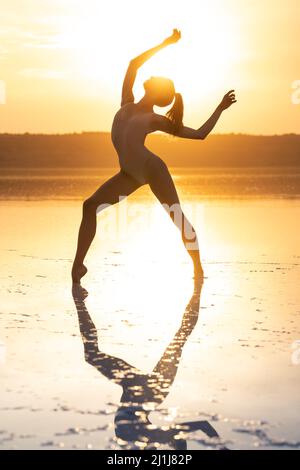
156,134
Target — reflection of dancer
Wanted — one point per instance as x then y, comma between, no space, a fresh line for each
143,392
139,166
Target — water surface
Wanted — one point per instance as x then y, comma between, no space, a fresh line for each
228,354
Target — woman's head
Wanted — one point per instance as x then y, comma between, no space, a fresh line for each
161,91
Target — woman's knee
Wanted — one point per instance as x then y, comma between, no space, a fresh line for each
89,205
93,206
189,234
187,230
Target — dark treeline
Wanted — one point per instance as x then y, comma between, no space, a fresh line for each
96,150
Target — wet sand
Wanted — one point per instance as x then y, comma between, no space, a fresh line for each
240,365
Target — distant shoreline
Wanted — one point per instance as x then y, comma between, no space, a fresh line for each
219,134
95,150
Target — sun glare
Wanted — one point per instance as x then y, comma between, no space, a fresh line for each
207,51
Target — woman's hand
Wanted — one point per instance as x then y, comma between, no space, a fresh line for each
173,38
227,101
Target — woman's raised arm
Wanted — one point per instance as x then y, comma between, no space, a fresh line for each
137,62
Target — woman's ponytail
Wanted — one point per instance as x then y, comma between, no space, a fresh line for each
175,114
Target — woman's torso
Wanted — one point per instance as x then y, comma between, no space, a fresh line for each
129,130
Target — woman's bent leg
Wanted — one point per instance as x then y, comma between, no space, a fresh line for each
162,185
109,193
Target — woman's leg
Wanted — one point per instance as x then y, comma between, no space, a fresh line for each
161,183
166,368
112,367
109,193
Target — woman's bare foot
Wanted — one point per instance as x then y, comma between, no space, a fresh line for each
79,293
78,271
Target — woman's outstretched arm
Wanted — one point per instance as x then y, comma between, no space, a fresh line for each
137,62
162,123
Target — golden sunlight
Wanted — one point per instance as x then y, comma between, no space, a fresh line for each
206,53
150,268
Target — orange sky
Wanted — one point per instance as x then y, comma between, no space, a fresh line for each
62,61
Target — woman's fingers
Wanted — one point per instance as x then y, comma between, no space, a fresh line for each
176,33
229,99
175,36
231,96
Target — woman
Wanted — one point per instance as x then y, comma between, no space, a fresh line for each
138,166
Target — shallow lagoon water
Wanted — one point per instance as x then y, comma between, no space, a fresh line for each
239,368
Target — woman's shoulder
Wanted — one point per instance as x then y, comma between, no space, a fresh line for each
161,123
127,106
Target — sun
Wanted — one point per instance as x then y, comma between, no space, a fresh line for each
101,46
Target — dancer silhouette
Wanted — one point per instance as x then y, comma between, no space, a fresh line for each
142,393
138,165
